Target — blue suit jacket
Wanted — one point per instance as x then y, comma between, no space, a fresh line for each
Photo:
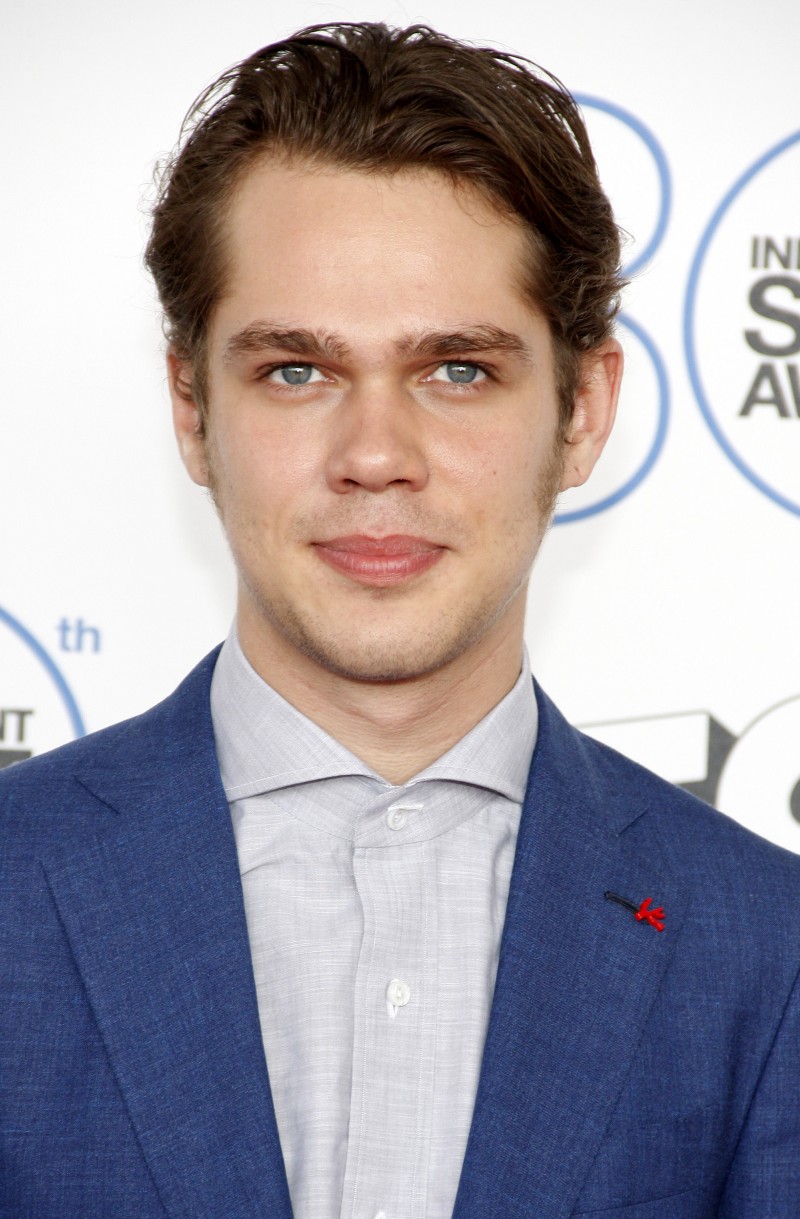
627,1072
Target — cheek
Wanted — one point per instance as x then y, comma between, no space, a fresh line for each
258,469
528,487
511,469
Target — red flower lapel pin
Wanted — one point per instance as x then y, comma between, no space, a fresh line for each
645,912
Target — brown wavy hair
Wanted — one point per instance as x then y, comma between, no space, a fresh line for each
370,98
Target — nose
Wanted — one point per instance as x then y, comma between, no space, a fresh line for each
377,442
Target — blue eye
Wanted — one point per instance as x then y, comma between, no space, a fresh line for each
461,374
294,374
458,372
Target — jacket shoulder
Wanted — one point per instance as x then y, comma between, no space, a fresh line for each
655,816
48,787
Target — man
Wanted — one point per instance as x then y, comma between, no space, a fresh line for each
353,924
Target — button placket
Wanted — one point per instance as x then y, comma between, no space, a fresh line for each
391,1098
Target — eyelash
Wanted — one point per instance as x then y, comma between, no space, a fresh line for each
487,369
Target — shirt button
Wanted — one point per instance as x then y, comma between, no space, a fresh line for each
398,993
397,814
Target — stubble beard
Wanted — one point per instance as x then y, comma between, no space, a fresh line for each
380,660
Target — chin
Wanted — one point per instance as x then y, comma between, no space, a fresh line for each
366,654
378,661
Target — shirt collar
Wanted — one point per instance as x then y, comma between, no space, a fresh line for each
264,743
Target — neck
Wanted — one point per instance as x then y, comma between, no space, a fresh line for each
397,728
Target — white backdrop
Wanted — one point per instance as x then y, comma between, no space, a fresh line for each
667,621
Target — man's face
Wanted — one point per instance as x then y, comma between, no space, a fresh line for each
382,438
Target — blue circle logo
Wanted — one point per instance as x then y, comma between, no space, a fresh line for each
635,175
634,172
37,708
742,324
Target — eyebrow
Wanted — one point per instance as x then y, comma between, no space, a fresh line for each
476,339
261,337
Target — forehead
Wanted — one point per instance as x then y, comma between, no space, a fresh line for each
319,190
370,243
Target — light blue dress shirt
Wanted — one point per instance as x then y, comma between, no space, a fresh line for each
374,914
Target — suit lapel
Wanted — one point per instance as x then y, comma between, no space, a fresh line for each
576,980
151,903
152,906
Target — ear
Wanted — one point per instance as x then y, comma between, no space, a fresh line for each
186,419
594,412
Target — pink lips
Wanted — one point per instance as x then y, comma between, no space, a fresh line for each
379,561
